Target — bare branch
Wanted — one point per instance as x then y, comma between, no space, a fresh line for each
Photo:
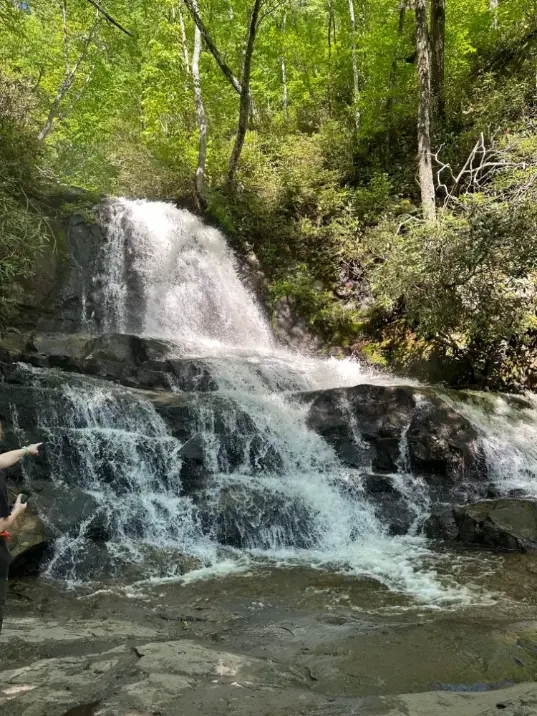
69,78
109,17
482,165
228,72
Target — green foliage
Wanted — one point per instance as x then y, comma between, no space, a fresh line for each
22,229
328,207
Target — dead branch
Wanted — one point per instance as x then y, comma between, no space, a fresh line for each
481,166
109,18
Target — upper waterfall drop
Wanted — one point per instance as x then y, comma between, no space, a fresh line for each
170,276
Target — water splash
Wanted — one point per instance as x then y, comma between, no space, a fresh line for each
508,435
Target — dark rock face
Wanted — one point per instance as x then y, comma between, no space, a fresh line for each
442,525
504,524
81,271
391,428
251,517
291,329
129,360
390,506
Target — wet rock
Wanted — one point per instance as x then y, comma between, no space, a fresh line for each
386,427
247,517
67,509
377,484
507,524
390,506
194,473
130,360
504,524
442,525
83,560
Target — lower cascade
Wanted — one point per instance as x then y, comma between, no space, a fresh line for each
181,437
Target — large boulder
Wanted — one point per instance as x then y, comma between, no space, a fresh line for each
390,429
505,524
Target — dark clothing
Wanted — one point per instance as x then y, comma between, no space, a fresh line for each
5,557
4,501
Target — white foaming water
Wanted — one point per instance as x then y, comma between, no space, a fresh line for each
276,489
508,427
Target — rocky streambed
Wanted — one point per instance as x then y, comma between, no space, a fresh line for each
274,642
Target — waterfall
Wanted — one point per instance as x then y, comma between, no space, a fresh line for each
275,489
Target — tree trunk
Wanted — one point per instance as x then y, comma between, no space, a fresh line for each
494,10
284,69
244,109
424,113
228,73
284,81
184,41
202,122
392,81
355,75
438,42
69,77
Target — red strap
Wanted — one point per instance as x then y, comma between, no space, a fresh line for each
6,534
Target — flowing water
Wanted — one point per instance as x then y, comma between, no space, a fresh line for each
167,275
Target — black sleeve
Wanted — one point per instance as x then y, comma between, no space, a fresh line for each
4,502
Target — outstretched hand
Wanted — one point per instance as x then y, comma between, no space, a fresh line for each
34,449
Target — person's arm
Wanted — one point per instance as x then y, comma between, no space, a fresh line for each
12,457
18,509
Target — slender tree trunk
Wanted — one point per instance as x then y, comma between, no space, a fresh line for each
494,10
202,121
393,80
244,108
70,76
284,82
184,40
424,113
228,73
438,42
283,67
355,75
329,40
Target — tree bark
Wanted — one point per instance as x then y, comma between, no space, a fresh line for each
184,41
244,108
69,77
228,73
392,81
494,10
202,122
355,75
424,113
284,69
438,42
